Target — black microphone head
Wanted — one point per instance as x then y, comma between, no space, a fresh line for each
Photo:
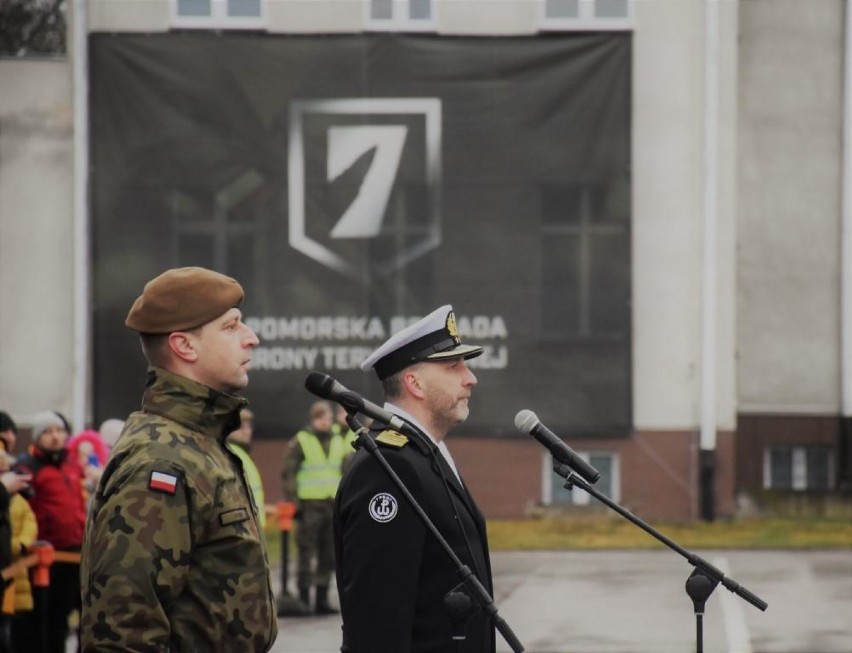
459,605
526,420
319,384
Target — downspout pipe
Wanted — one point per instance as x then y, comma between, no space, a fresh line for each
80,409
710,264
844,457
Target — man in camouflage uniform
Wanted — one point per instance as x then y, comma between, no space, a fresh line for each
174,559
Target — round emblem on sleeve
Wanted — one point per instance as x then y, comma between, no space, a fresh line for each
383,507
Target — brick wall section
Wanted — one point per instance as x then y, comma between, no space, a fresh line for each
504,475
658,472
757,432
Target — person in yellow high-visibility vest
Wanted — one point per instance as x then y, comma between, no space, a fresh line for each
239,442
312,470
341,427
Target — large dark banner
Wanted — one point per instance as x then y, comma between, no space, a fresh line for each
355,183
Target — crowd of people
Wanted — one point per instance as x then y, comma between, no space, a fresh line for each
46,484
156,524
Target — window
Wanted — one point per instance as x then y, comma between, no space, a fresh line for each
585,254
798,468
222,231
609,483
587,14
218,14
400,15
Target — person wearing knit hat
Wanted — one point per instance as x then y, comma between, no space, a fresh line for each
56,498
48,432
171,460
110,429
387,562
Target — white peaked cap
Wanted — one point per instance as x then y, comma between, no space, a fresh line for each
434,337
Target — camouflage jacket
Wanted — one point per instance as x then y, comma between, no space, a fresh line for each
173,558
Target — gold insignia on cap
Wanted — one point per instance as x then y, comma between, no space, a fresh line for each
392,438
452,329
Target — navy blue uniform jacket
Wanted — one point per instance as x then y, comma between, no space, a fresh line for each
392,574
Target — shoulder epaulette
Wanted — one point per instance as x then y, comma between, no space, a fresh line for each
392,438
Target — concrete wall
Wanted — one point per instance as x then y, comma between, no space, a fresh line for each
36,278
788,293
129,15
668,214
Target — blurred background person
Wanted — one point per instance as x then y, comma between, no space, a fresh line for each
91,453
311,473
8,433
239,441
110,430
341,427
17,605
58,502
17,533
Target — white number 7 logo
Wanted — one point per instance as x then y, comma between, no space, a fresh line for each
363,218
347,142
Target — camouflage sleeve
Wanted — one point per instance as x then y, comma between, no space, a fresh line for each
135,557
293,458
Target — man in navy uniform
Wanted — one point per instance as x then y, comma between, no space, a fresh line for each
392,573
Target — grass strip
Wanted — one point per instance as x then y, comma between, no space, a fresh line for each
565,533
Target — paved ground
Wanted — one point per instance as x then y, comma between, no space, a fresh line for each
635,602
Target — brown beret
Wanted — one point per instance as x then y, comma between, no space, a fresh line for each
181,299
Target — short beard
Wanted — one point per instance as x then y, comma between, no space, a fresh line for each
444,411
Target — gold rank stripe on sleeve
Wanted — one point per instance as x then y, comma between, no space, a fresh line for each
392,438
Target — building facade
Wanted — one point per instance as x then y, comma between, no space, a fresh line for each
733,380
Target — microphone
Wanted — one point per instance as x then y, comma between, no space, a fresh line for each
322,385
459,606
528,422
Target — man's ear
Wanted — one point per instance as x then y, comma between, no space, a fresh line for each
411,382
183,346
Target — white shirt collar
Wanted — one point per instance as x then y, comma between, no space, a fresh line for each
396,410
442,447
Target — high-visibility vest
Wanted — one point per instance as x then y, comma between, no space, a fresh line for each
319,475
253,479
349,436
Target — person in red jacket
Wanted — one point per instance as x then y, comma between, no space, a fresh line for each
58,502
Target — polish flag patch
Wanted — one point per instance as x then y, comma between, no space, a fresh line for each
163,482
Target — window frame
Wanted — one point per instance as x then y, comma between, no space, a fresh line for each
218,18
220,228
586,20
586,232
579,497
400,21
798,467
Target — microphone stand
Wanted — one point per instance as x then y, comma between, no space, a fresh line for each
475,590
704,577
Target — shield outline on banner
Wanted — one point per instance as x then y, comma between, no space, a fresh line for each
430,108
